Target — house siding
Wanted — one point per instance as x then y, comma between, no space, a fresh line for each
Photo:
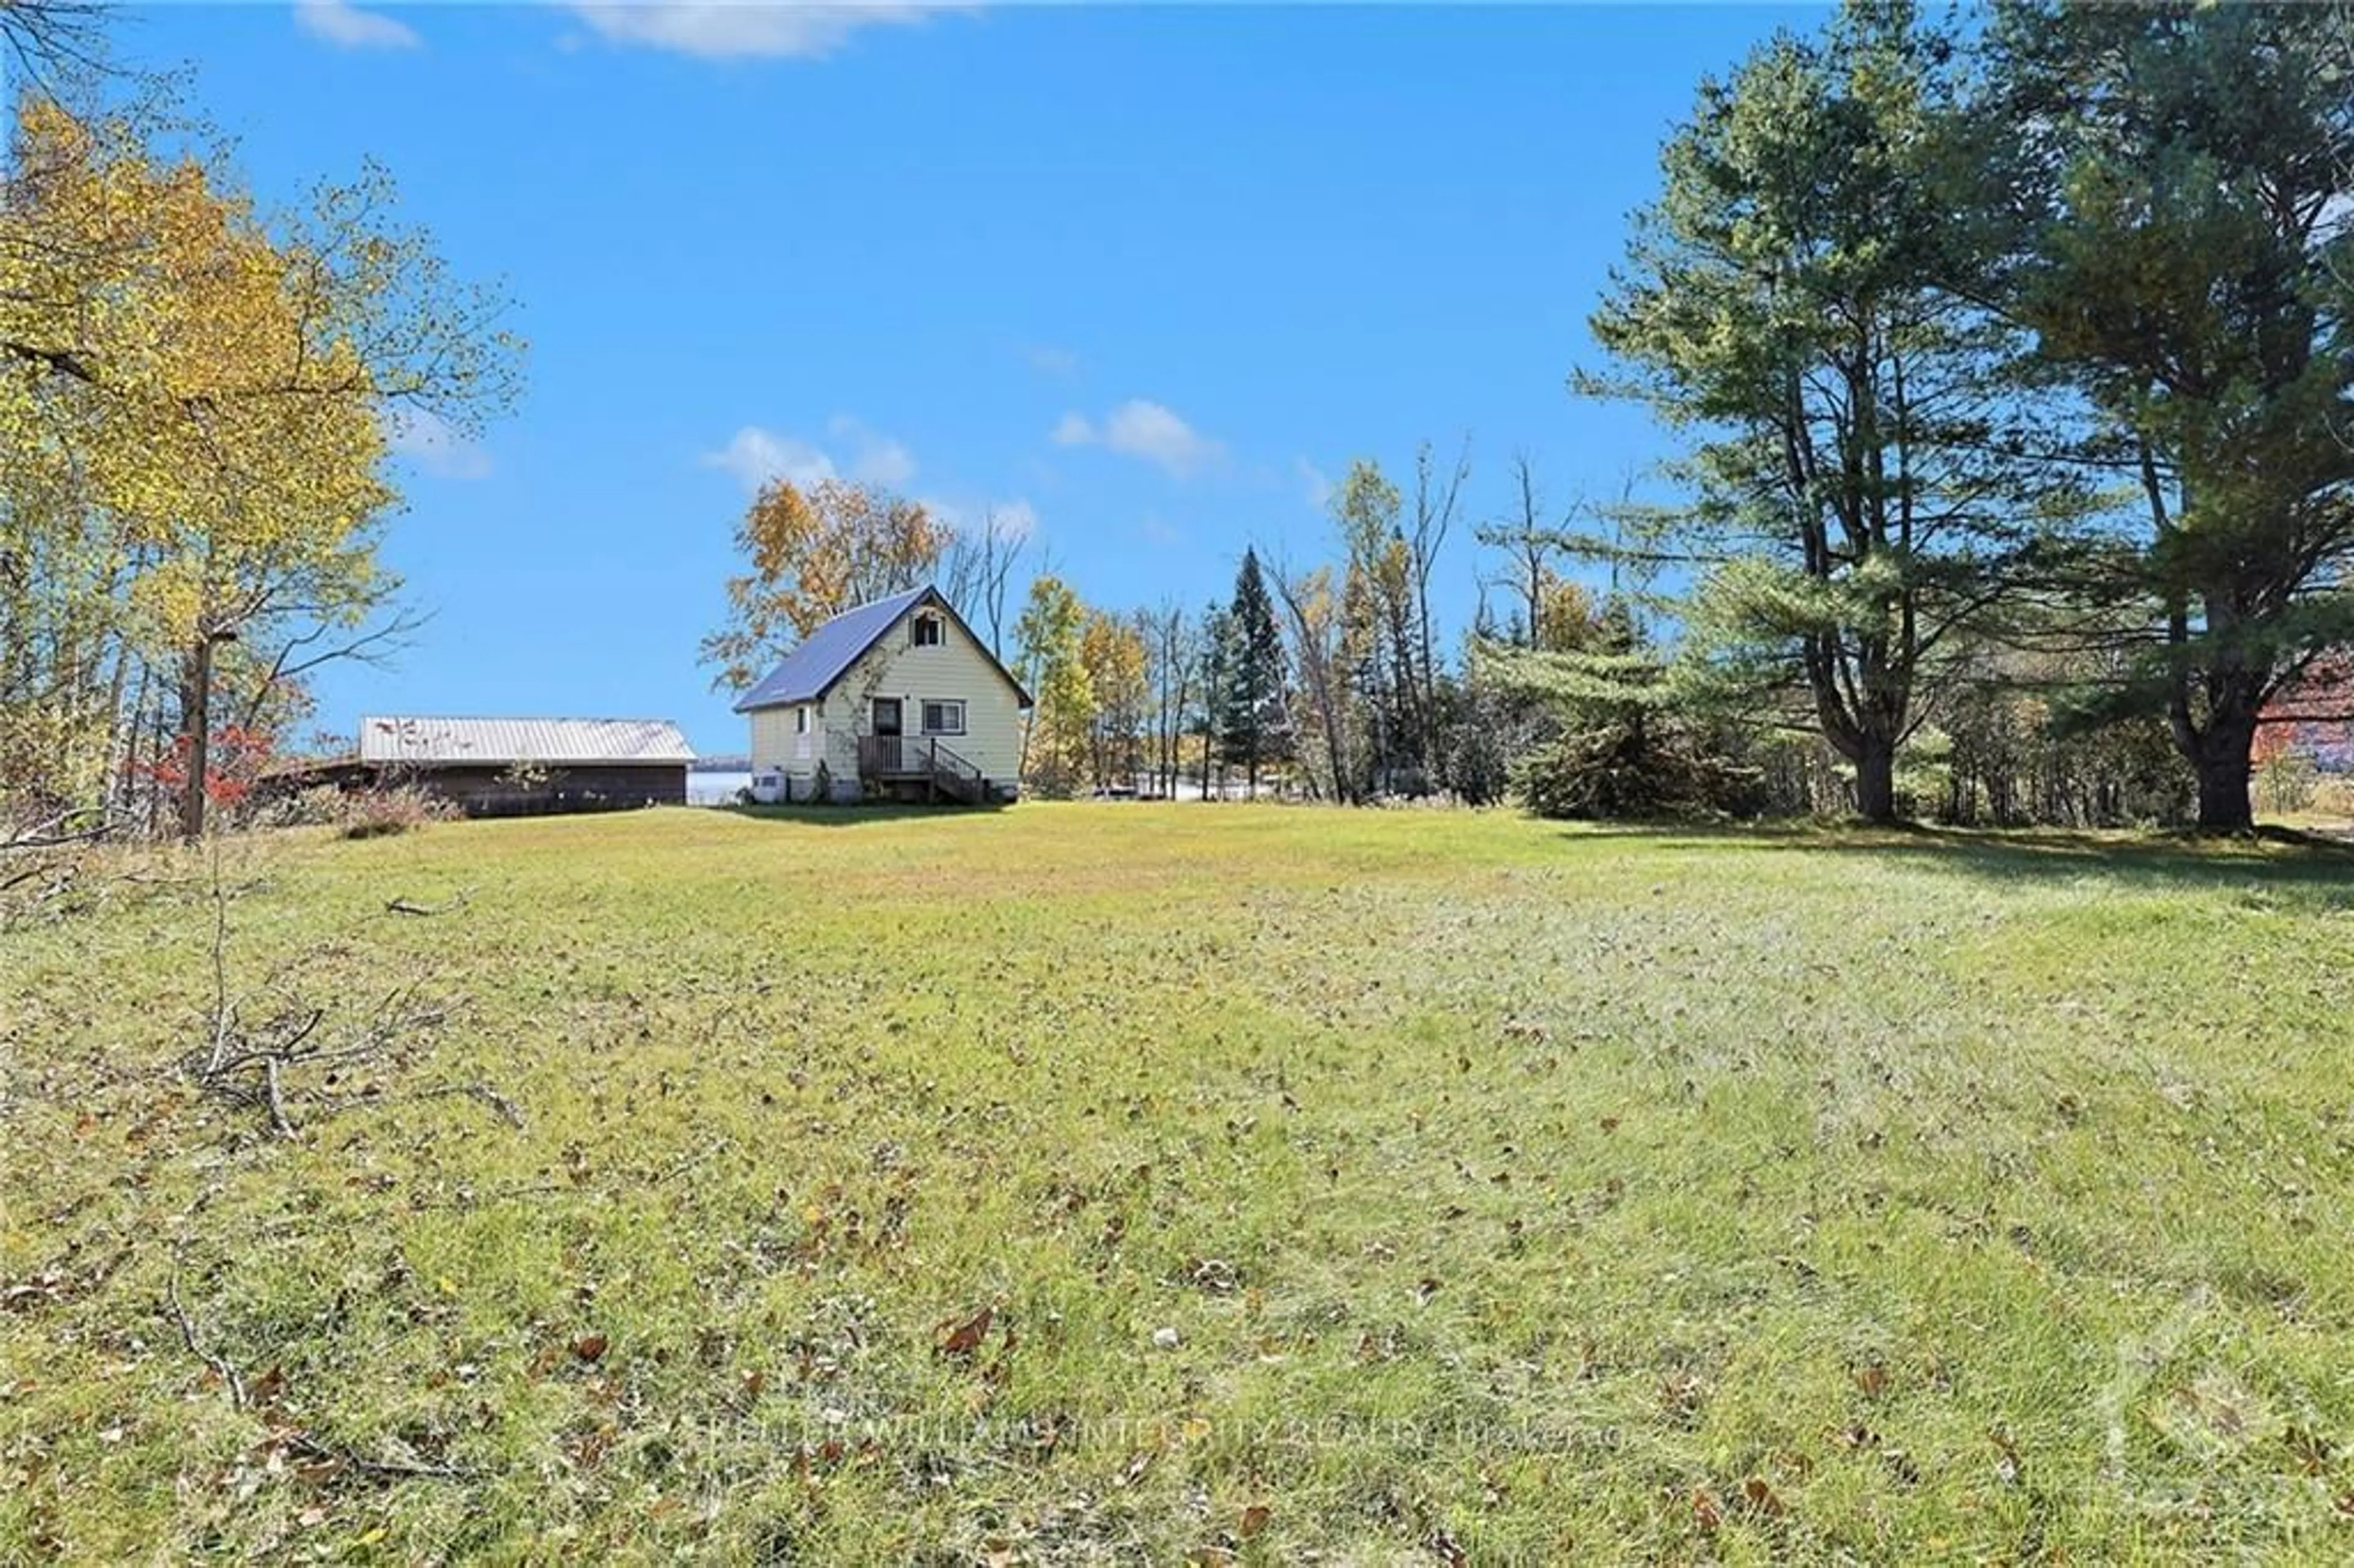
956,669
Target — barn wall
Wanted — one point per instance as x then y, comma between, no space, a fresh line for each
487,791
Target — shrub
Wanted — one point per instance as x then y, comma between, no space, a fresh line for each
2287,782
1652,766
380,813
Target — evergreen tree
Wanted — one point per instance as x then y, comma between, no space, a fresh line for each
1626,742
2189,172
1802,303
1251,723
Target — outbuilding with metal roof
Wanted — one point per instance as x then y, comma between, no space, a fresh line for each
523,767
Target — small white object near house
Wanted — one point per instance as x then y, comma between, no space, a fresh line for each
896,698
769,787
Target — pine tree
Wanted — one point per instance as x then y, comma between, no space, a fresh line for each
2190,170
1251,723
1801,306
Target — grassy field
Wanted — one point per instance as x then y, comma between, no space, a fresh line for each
1146,1183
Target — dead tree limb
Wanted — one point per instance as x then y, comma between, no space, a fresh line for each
301,1443
220,1366
476,1091
408,906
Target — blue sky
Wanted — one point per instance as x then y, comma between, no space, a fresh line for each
1143,278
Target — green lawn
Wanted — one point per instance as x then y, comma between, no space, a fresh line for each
1513,1192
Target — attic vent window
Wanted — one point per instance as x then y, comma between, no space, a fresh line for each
924,632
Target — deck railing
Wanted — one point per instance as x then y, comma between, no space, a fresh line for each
921,758
885,756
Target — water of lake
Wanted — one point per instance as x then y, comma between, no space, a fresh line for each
714,788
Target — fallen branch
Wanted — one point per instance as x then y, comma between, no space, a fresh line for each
297,1441
219,1365
251,1063
478,1091
275,1051
408,906
46,836
293,1439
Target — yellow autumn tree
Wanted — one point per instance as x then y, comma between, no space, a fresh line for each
195,406
1111,650
812,552
1050,661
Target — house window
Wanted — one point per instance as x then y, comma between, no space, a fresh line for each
924,632
943,719
800,720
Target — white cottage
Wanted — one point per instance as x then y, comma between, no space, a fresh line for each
896,698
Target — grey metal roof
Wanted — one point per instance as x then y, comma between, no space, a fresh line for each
811,669
827,652
808,670
394,738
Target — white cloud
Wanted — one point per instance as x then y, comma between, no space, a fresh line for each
1146,430
1314,484
426,440
347,26
728,29
756,455
880,460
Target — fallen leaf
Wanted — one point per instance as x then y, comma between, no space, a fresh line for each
1253,1520
963,1339
589,1347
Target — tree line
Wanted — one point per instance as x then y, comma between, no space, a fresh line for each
2008,367
2009,372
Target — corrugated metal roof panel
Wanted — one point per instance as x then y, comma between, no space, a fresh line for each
394,739
826,652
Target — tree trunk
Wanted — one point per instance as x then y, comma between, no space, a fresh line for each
2221,761
196,723
1875,780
